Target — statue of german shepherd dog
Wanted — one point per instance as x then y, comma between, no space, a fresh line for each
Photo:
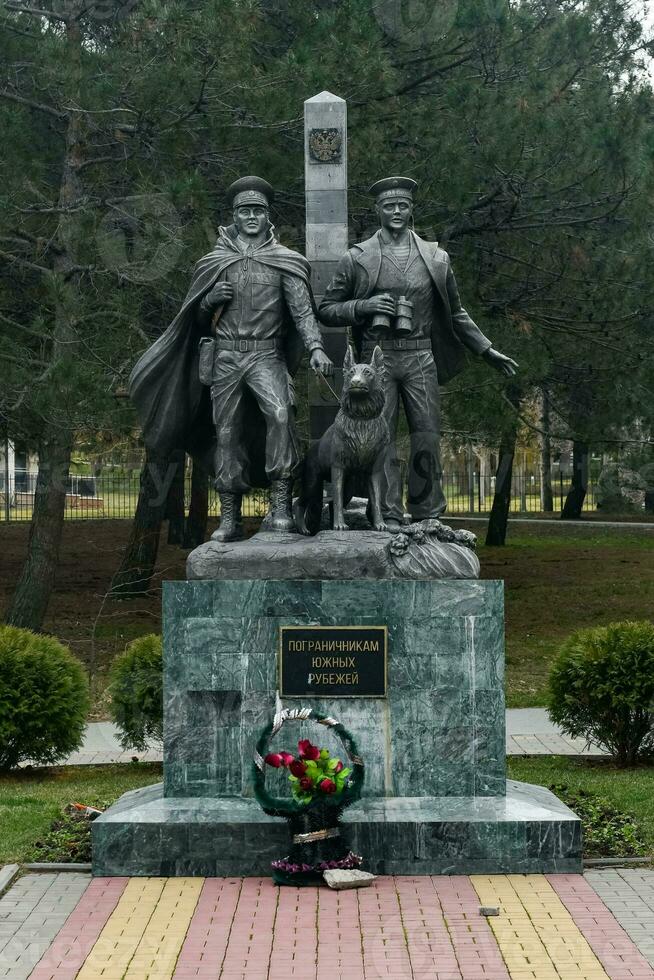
351,452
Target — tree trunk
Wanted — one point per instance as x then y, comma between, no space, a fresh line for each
546,494
574,502
175,511
195,530
137,567
30,600
499,515
649,501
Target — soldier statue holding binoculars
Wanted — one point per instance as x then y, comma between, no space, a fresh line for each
398,291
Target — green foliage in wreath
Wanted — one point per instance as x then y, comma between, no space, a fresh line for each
315,776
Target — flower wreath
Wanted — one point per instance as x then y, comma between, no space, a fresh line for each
318,842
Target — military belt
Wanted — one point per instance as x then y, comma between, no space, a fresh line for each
398,344
243,346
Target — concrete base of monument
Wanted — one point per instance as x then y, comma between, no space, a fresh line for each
415,554
527,831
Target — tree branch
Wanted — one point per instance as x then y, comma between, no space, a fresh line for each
17,258
12,96
37,12
94,160
441,70
21,326
17,30
21,360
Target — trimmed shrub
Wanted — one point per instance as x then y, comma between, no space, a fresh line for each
44,698
602,688
136,685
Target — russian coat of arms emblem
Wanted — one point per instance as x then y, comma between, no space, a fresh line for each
325,145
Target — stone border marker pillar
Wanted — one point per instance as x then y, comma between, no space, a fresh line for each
325,170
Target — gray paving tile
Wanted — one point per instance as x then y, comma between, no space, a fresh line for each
31,914
629,894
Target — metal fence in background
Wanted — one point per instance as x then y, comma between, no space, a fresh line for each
109,496
114,496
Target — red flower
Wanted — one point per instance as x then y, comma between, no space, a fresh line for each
307,750
287,758
339,766
306,783
274,759
297,767
327,785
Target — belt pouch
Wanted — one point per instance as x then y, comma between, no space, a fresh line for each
205,367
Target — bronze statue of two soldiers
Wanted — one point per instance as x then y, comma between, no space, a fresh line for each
248,318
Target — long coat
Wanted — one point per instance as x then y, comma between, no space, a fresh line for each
172,405
453,330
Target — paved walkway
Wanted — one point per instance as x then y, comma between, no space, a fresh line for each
549,927
32,913
528,732
629,894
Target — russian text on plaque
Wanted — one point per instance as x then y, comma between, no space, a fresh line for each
333,661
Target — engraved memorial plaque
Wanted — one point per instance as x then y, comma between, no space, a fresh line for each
333,661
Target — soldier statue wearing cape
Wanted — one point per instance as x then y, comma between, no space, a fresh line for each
254,295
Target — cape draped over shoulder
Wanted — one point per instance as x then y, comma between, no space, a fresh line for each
172,405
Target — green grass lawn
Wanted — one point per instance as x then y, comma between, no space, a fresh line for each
631,790
31,800
558,582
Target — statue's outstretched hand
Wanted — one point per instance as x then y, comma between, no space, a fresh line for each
506,365
320,362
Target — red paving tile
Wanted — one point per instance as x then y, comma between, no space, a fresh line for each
206,942
404,928
76,939
474,944
401,928
608,940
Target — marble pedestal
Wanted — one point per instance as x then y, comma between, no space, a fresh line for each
436,799
526,831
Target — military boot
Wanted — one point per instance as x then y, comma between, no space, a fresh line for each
281,518
231,527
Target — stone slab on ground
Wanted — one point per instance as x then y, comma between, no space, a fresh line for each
340,880
529,830
400,928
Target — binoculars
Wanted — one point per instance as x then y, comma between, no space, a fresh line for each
401,322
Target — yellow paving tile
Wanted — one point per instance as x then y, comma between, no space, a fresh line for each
156,954
535,932
143,936
120,937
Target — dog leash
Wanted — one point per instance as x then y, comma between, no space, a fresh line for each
319,374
